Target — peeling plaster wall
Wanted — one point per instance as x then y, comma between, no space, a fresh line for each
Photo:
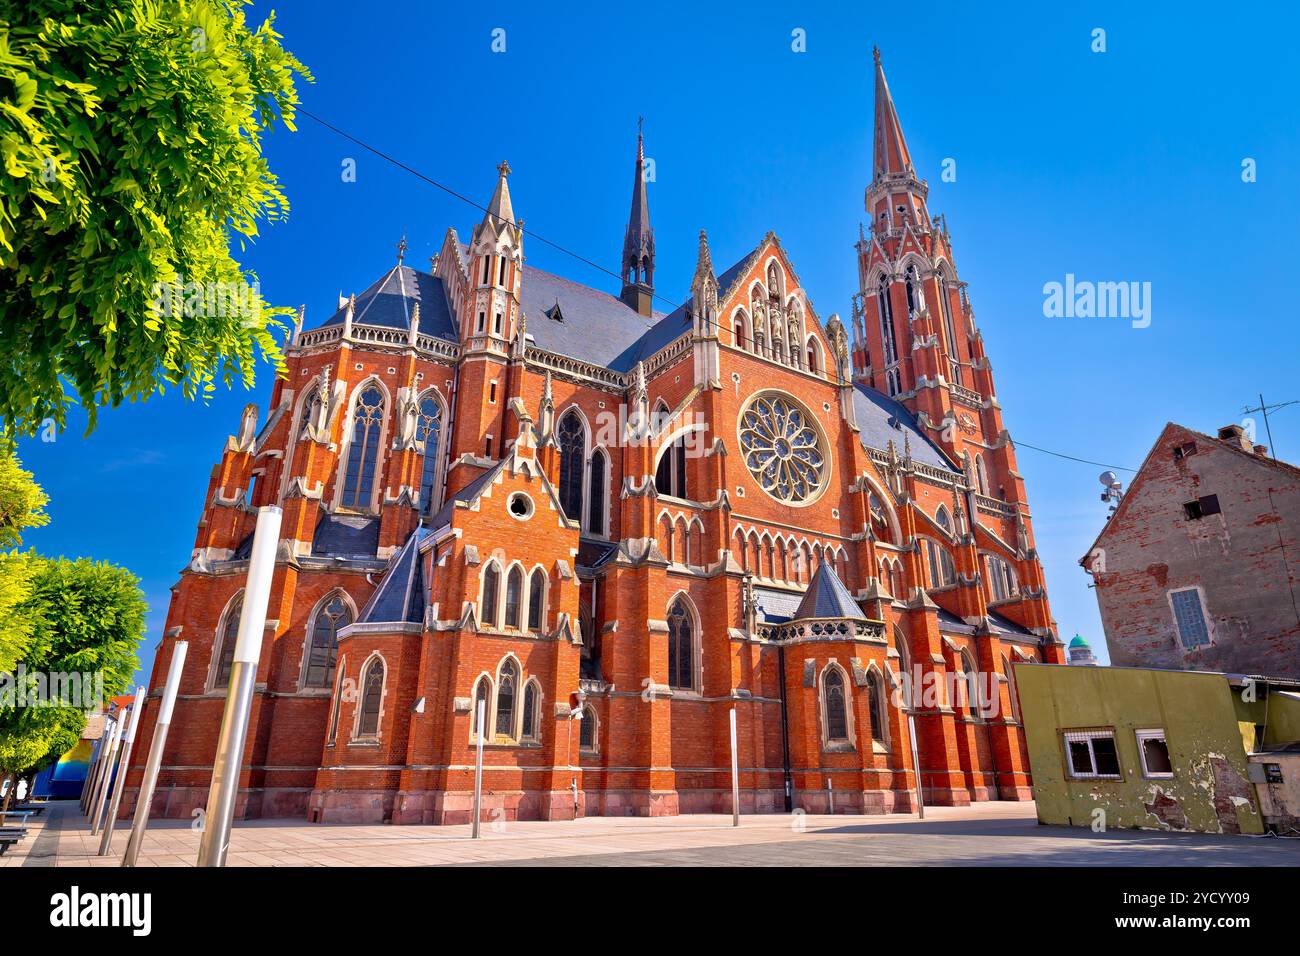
1244,560
1210,789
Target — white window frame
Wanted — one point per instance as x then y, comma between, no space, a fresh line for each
1142,737
1088,736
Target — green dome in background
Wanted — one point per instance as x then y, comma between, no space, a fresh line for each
1078,642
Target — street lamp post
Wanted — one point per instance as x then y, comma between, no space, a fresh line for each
239,693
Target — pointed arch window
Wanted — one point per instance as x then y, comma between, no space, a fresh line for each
372,696
1011,687
670,475
739,331
981,476
483,695
530,726
226,643
970,678
536,599
913,284
875,705
491,584
949,331
890,343
596,493
834,706
330,619
507,688
1002,579
336,705
939,563
514,596
428,431
572,435
363,451
943,519
587,729
681,647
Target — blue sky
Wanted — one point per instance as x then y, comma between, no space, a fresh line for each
1116,166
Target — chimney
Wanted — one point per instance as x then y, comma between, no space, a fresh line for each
1261,451
1236,435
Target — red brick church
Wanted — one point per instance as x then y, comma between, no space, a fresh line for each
614,525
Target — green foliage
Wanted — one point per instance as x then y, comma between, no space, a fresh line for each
88,617
22,504
130,161
22,501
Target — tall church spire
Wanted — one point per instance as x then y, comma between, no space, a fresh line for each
890,155
638,265
499,208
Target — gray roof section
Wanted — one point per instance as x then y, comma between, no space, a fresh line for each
590,325
828,597
881,419
400,595
345,536
389,300
952,624
776,607
466,494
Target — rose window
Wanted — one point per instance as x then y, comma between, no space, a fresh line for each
782,448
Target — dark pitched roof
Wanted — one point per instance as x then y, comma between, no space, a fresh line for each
388,302
590,325
827,597
400,595
345,536
776,607
881,419
466,494
952,624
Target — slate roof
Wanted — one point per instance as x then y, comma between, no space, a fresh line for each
466,494
952,624
388,301
881,419
400,595
827,597
776,607
591,325
345,536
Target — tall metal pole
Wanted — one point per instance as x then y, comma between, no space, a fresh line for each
101,761
478,767
1268,429
735,774
239,694
154,761
96,766
916,765
107,776
137,708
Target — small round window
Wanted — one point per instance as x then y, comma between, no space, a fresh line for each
520,505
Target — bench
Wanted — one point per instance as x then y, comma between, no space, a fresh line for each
9,836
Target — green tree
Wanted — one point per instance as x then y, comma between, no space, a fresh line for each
88,617
130,162
22,505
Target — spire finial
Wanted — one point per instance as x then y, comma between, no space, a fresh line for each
875,54
503,168
401,248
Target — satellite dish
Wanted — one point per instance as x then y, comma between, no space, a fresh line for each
1107,478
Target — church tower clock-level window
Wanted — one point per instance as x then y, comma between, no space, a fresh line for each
363,453
887,336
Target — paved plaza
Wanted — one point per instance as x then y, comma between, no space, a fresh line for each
996,834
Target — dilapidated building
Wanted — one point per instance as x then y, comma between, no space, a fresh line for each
1199,567
1162,749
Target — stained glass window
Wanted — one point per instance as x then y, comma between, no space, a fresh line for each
363,452
330,619
782,448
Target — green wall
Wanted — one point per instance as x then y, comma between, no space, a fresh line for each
1209,790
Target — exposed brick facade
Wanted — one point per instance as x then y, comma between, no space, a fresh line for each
910,523
1213,519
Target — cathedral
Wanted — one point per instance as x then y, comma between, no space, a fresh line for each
606,526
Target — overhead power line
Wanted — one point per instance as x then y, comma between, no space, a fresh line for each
577,255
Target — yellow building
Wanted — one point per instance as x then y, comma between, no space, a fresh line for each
1162,749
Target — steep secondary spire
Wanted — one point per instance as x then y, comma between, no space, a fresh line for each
499,208
891,157
639,241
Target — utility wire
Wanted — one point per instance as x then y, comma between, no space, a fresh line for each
581,258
